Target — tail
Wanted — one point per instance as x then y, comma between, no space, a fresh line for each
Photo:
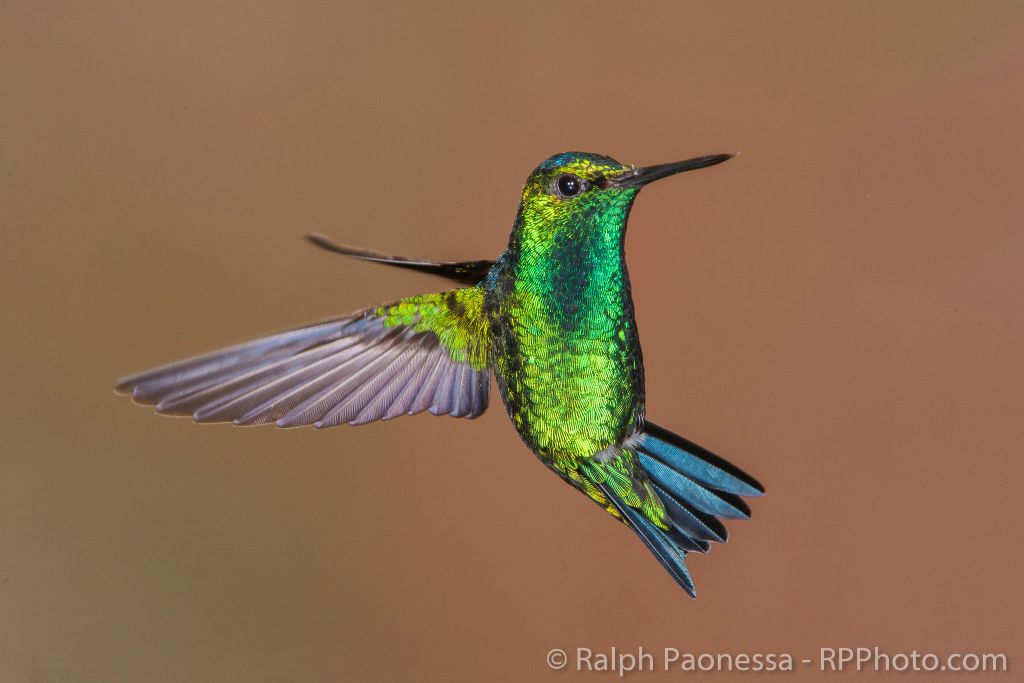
696,488
659,541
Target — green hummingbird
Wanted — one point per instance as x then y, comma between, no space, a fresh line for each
552,318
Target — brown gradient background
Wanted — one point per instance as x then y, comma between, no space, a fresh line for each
839,311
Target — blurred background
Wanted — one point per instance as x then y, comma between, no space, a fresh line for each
838,311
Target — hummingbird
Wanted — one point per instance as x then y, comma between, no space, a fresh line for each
552,319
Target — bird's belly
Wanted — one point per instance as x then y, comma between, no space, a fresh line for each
571,395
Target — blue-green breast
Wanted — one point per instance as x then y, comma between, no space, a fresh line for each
567,355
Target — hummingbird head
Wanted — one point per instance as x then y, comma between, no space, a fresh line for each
588,195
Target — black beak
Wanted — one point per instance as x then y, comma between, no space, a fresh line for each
638,177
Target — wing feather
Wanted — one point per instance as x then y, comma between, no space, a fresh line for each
423,353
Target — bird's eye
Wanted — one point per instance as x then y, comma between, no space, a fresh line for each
569,185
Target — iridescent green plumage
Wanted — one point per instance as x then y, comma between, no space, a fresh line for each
566,352
456,316
552,318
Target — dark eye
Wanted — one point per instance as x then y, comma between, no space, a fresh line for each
569,185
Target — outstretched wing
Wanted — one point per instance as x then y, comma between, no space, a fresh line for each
466,272
428,352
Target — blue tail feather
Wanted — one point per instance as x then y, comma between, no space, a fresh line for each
689,491
696,462
694,524
697,488
658,541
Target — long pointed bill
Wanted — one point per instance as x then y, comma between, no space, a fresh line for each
639,177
